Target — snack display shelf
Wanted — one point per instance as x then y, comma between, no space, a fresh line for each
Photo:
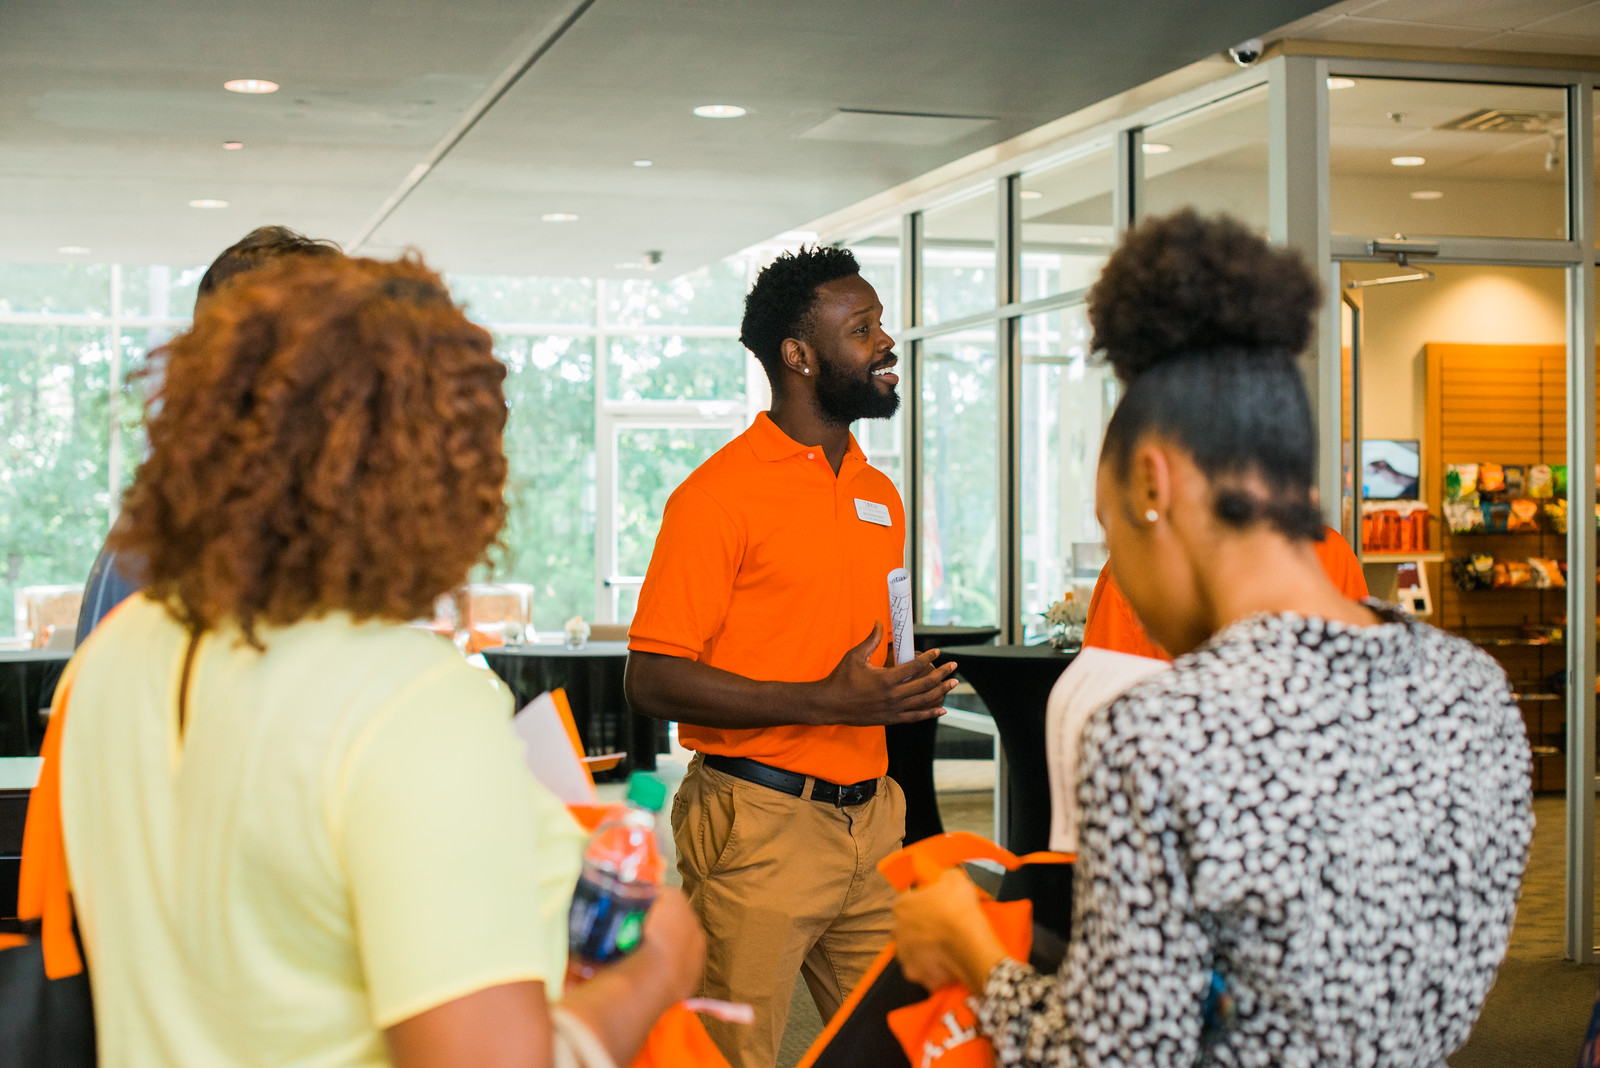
1496,643
1538,697
1402,558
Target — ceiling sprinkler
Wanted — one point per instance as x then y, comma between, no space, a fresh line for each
652,259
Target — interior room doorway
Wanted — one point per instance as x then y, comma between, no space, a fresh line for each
1454,475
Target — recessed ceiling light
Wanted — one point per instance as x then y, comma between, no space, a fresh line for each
1407,161
559,216
1340,83
233,146
630,266
644,163
72,250
1155,148
1427,194
250,85
1031,194
719,111
208,203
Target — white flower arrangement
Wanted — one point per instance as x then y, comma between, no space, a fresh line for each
577,631
1068,611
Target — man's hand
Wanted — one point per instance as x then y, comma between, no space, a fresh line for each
859,695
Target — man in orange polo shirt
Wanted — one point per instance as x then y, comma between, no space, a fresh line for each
761,628
1112,624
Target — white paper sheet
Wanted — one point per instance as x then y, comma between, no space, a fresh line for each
900,614
549,752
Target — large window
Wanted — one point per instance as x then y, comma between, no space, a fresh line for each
617,389
1065,405
960,474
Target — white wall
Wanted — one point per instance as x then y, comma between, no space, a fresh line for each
1485,305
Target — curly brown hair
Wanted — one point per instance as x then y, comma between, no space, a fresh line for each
1184,283
327,438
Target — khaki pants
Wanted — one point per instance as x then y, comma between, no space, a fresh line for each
782,885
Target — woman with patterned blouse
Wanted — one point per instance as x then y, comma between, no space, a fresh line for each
1303,844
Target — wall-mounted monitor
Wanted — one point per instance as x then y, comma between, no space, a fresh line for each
1391,469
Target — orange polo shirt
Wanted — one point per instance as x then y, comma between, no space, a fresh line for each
771,567
1112,624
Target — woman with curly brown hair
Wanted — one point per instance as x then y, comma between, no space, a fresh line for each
1303,843
298,830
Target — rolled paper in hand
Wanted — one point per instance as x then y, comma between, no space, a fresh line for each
900,614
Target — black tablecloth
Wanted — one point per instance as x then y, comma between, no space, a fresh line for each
911,744
27,683
592,677
1015,681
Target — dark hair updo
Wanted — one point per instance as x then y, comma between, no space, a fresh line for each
1201,321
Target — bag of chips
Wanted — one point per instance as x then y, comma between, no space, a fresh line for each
1524,515
1472,572
1463,517
1461,482
1541,483
1516,480
1496,516
1512,574
1558,475
1547,574
1491,478
1556,512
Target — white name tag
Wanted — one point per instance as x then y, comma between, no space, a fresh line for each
872,512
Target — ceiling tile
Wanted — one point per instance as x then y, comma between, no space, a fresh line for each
1363,30
1544,43
1487,14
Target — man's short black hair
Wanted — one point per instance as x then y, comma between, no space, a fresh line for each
779,305
260,246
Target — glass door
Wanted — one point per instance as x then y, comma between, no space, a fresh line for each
1457,433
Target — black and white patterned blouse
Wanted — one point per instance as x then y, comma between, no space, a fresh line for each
1329,822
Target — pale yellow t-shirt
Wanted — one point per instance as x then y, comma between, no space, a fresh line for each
345,836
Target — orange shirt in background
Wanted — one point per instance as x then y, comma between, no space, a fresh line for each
1112,624
771,567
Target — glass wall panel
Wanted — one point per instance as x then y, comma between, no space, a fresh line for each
673,367
549,535
1065,406
1067,223
710,296
501,299
54,449
1213,159
960,470
68,288
1448,158
160,292
651,462
138,382
958,260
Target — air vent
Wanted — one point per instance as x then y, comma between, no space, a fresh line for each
1509,120
895,127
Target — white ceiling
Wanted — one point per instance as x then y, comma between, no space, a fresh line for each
112,115
1567,27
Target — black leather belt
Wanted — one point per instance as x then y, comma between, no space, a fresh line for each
788,782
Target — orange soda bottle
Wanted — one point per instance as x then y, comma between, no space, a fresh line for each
622,870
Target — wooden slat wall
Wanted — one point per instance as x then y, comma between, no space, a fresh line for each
1501,404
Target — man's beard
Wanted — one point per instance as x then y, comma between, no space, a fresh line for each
843,397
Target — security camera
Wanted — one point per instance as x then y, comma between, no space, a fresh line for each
1246,53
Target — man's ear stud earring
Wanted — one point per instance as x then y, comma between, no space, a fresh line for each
1151,515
